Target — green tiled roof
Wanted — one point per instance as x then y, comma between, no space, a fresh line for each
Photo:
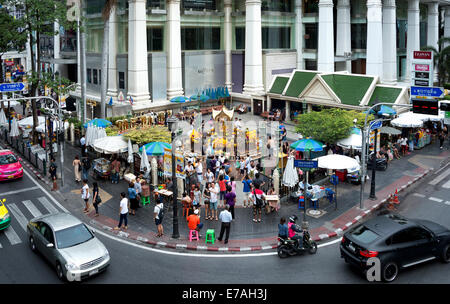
279,84
350,89
384,94
299,82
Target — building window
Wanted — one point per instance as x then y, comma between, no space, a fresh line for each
94,6
359,36
122,80
89,79
276,5
240,38
154,39
199,5
311,34
310,65
358,9
99,76
157,4
310,7
200,38
423,34
94,76
276,37
401,34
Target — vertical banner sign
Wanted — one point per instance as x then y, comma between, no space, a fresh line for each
167,162
372,140
179,165
62,98
422,69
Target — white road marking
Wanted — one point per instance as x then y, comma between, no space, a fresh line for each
21,219
446,185
1,246
438,179
447,203
435,199
18,191
12,236
44,201
419,195
32,208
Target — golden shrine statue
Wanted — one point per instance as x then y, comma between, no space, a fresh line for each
223,115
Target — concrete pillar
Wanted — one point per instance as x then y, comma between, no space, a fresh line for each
288,110
269,102
299,34
325,52
228,43
389,42
56,46
343,32
433,30
253,83
137,52
154,166
374,52
112,59
413,43
174,69
446,24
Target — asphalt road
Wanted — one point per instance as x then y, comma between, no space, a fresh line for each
136,263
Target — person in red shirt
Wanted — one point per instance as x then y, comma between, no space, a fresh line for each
223,189
193,221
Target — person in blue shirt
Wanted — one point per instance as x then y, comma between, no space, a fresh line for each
132,196
283,229
246,181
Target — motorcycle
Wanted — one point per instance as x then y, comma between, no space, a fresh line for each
287,247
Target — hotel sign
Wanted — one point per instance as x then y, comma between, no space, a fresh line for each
422,68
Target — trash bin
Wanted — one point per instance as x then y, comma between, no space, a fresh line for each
341,174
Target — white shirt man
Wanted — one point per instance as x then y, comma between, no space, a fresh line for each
214,191
124,206
199,170
157,208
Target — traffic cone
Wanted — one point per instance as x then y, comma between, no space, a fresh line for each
396,201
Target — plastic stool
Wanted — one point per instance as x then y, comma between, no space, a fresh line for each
301,203
145,200
210,232
193,235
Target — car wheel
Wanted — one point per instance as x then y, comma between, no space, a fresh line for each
60,272
32,244
390,272
446,254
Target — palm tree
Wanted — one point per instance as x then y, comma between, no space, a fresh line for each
441,59
106,12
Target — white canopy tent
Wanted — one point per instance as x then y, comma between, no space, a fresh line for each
290,175
408,120
110,145
41,127
14,128
28,122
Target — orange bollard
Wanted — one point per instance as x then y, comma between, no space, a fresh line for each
396,201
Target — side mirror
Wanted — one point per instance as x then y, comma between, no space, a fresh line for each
50,245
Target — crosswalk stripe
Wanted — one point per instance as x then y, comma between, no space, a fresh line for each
44,201
435,199
32,208
438,179
12,236
21,219
446,185
1,246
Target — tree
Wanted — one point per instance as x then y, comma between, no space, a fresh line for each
38,19
441,59
12,38
329,125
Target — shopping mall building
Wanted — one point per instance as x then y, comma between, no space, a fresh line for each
161,49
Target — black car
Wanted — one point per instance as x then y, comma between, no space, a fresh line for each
397,242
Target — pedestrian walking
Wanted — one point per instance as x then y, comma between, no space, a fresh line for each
77,168
257,196
441,139
132,197
85,195
230,199
96,200
86,165
52,171
225,218
199,170
206,202
123,211
83,146
214,192
247,182
270,145
115,169
209,176
145,194
158,214
223,189
232,183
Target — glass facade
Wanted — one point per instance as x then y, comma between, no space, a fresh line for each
359,36
156,4
240,38
94,40
310,7
154,39
358,9
94,6
402,26
277,5
199,4
311,34
200,38
276,37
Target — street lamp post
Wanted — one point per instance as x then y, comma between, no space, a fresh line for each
172,123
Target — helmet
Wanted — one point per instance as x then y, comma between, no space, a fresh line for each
292,218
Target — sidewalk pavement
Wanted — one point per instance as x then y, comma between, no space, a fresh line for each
246,235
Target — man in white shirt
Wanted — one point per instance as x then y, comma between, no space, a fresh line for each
199,170
225,218
123,211
85,195
214,191
158,215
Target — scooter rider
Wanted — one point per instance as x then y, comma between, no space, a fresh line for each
293,229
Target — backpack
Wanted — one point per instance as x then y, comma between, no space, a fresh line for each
86,164
258,201
161,213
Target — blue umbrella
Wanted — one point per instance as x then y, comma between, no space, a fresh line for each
227,94
98,122
201,97
155,148
386,110
307,144
179,99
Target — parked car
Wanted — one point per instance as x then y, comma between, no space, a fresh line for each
10,167
5,219
397,242
69,245
381,163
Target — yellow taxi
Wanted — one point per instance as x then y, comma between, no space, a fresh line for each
5,220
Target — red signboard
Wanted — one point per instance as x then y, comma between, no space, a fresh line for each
422,67
422,55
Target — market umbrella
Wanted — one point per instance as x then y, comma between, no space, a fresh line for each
338,162
354,141
28,122
155,148
98,122
179,99
290,176
14,128
144,162
130,152
390,131
407,120
202,97
111,145
3,120
307,144
41,127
